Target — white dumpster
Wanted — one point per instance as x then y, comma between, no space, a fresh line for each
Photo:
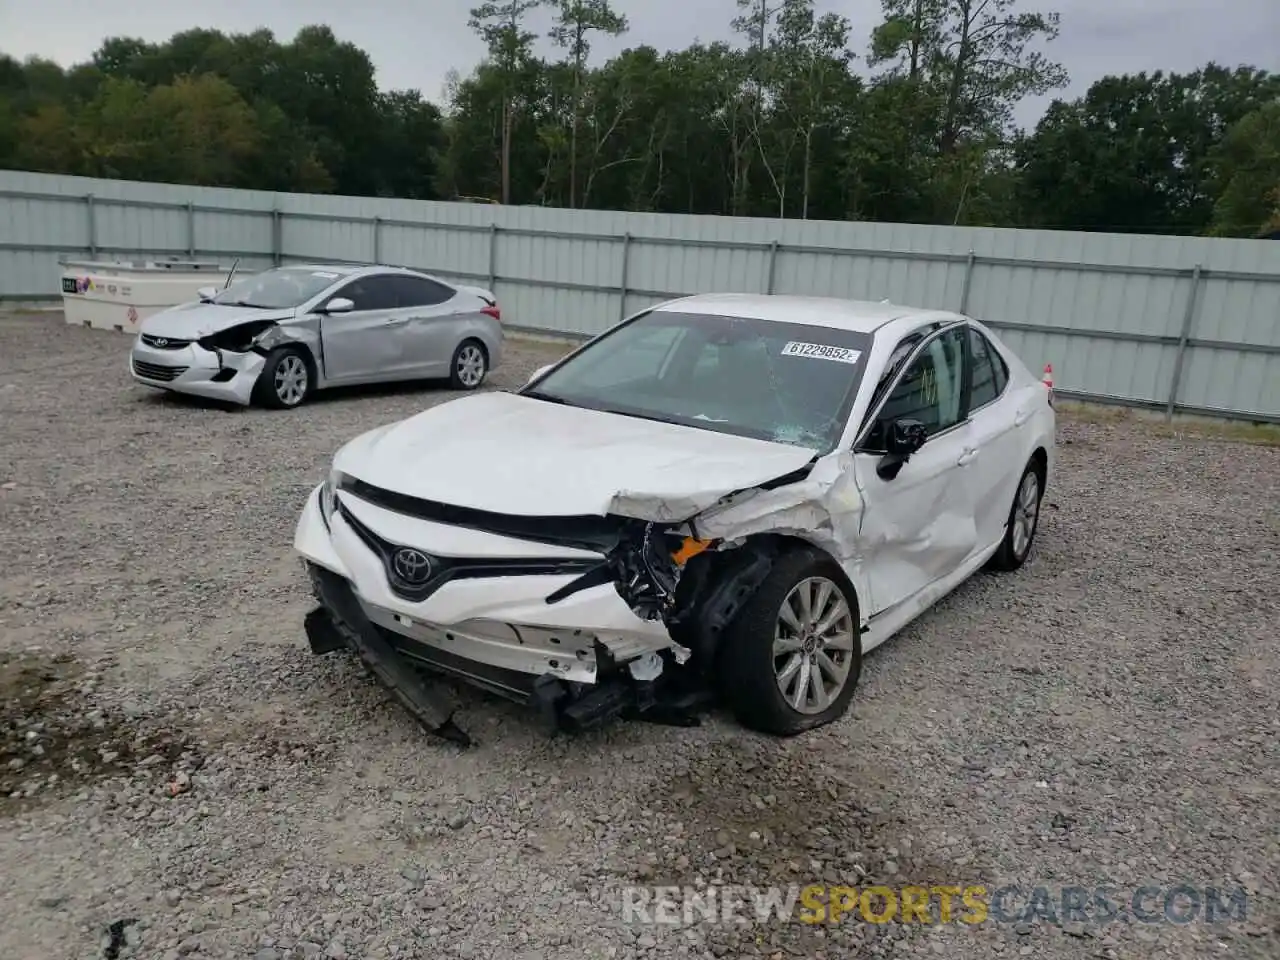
118,295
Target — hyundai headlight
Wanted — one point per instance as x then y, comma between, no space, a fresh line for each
271,337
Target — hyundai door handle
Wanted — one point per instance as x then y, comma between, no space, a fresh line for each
966,457
396,323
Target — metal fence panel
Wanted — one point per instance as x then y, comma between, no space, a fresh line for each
1176,323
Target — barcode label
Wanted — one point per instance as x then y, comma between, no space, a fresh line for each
821,351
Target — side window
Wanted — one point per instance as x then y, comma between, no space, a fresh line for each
420,292
982,374
929,390
987,370
370,293
999,367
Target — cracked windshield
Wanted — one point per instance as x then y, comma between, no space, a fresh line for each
784,382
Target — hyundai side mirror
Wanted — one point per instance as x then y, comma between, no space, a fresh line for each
339,305
904,438
206,294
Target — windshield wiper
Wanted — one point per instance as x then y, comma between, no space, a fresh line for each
250,306
539,395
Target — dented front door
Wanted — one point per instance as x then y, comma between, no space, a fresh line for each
362,344
919,526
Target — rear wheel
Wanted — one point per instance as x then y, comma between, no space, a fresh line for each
793,657
285,381
469,366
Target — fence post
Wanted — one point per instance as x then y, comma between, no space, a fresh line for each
773,263
968,282
277,238
1188,322
377,240
622,283
493,257
93,228
191,229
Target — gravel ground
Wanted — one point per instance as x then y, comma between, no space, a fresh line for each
179,776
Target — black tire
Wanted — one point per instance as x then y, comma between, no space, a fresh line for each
1013,551
270,391
462,366
749,681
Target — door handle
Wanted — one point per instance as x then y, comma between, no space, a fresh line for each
1021,417
966,457
396,323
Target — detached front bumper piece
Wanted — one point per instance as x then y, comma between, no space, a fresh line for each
340,622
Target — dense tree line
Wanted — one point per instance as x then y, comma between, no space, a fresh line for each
791,121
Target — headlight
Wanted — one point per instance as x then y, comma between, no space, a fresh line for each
270,338
328,494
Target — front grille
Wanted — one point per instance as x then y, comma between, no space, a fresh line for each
157,371
163,343
441,570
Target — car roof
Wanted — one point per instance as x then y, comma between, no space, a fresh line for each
345,270
341,269
858,316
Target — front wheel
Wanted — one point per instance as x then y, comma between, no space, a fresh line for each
1024,520
793,657
469,366
285,381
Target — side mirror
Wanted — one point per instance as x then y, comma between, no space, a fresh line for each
206,294
339,305
904,438
539,372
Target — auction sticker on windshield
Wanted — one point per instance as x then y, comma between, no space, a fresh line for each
822,351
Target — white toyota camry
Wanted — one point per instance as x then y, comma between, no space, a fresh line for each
723,495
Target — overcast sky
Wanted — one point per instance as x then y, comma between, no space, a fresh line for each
414,43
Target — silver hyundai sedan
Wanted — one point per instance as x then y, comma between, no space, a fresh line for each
275,337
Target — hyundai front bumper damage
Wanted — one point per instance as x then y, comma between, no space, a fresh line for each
601,617
222,366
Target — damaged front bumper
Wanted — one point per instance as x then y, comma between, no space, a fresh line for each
565,640
190,368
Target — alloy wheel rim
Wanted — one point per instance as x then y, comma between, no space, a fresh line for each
813,645
1026,512
291,380
470,365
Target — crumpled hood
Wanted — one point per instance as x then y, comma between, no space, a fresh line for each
191,321
510,454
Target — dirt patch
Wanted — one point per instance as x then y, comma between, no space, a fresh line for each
52,741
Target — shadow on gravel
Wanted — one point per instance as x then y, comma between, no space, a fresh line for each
49,742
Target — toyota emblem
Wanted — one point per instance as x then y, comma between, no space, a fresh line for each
413,567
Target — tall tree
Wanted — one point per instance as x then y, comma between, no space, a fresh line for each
809,73
976,59
500,23
1138,153
574,21
1247,171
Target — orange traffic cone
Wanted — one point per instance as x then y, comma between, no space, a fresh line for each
1047,379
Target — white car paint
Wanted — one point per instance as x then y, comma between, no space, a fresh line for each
904,543
638,468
